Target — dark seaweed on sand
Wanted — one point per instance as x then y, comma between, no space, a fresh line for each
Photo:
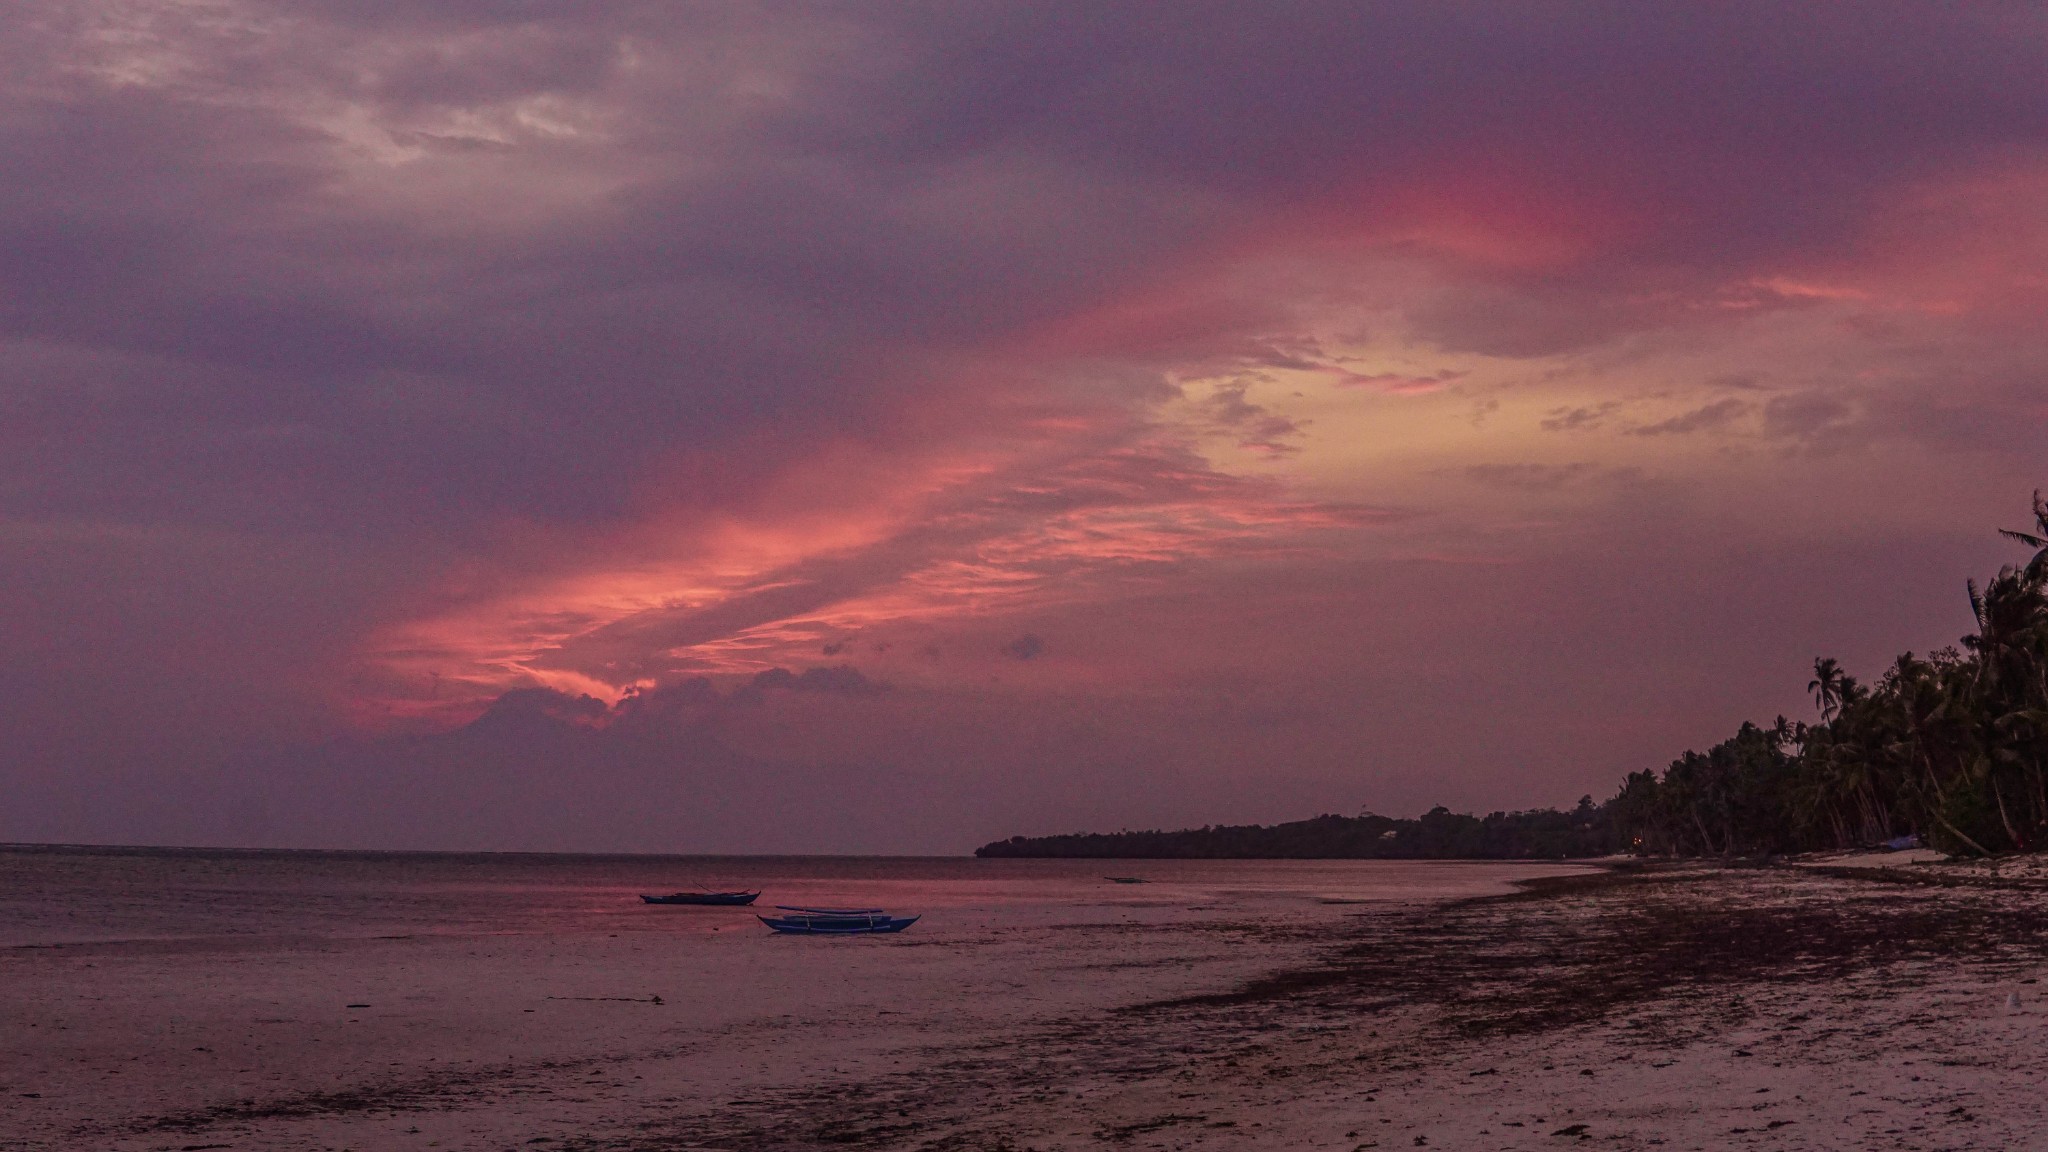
1578,949
1669,954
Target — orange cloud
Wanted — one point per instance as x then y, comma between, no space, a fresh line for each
851,542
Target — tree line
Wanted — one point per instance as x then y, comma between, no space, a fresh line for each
1948,748
1438,834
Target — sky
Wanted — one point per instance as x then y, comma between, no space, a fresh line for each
849,427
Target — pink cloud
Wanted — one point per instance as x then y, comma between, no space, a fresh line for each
1398,384
372,367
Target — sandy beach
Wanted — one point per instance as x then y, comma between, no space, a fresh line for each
1682,1008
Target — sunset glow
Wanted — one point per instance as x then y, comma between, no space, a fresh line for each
1256,412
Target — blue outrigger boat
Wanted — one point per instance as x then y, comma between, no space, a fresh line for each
834,921
724,899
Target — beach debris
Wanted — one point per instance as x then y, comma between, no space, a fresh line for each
1571,1130
1124,1133
2012,1001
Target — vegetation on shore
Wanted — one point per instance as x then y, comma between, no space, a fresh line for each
1949,748
1439,834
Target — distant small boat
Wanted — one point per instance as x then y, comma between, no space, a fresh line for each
1127,879
835,921
728,899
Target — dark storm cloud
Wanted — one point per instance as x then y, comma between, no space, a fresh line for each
1821,422
913,176
840,679
1026,647
1580,418
433,370
1705,418
1252,425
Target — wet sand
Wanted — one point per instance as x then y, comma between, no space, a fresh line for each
312,1002
1673,1008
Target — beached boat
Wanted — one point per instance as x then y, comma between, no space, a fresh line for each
725,899
835,921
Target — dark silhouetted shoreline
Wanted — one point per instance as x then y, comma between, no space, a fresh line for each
1950,751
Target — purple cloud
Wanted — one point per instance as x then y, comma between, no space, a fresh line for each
374,377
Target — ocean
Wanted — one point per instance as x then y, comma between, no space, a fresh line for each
154,998
74,895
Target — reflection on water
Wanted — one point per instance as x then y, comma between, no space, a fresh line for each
76,895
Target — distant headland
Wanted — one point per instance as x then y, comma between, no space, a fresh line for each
1438,835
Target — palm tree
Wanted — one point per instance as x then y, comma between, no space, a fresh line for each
1827,686
1953,746
2036,570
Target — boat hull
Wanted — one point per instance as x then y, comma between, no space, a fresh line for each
831,926
717,899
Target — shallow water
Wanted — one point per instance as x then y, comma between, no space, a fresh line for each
269,999
103,895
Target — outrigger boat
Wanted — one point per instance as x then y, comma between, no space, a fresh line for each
834,921
727,899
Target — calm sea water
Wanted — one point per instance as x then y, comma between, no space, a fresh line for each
79,895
